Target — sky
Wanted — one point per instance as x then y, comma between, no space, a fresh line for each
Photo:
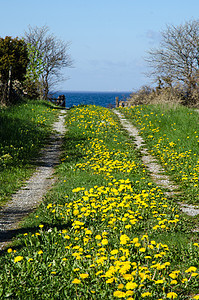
109,38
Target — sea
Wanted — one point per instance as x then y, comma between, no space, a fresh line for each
105,99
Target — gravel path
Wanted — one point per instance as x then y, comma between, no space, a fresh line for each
156,170
27,199
30,196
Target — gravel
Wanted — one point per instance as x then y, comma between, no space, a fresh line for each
28,198
156,170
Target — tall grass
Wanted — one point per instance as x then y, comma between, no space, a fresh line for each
24,129
105,231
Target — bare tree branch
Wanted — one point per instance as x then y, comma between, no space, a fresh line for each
54,55
177,58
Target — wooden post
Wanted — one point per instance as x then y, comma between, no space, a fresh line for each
116,101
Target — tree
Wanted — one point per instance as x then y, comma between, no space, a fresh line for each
32,85
177,59
52,52
13,64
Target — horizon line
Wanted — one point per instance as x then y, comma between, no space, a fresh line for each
72,91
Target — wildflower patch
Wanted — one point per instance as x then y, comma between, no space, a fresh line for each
108,232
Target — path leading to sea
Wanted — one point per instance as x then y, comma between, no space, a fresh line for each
28,198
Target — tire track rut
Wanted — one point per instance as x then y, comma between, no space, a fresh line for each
155,169
28,198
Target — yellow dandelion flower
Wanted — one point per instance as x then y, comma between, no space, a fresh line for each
110,280
119,294
129,293
173,275
76,281
76,269
174,282
84,276
160,281
148,257
30,259
194,274
131,285
128,277
88,232
113,252
124,239
142,249
18,258
172,295
135,240
104,242
67,237
146,294
191,269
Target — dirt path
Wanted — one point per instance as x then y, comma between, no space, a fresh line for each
30,196
157,172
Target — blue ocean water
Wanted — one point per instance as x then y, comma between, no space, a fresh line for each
105,99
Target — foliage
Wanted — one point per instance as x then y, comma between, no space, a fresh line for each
13,59
160,94
171,133
144,95
24,129
32,83
176,60
52,55
106,231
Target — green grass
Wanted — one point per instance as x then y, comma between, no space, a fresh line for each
24,130
171,134
105,231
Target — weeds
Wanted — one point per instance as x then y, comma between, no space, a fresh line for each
105,231
171,134
24,129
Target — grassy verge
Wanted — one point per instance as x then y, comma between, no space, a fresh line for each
106,231
23,131
171,133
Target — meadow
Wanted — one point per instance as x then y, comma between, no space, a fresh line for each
171,133
105,231
24,129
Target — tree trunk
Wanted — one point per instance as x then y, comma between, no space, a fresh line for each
4,93
9,85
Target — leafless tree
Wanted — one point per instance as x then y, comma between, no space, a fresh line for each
53,53
177,59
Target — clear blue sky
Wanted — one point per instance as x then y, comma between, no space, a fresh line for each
109,38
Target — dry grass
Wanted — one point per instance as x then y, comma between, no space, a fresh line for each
167,95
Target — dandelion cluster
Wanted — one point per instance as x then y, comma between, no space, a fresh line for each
108,243
173,138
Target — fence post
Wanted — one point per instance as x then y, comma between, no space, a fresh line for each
116,101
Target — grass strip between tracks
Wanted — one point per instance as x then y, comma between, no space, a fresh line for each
106,231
